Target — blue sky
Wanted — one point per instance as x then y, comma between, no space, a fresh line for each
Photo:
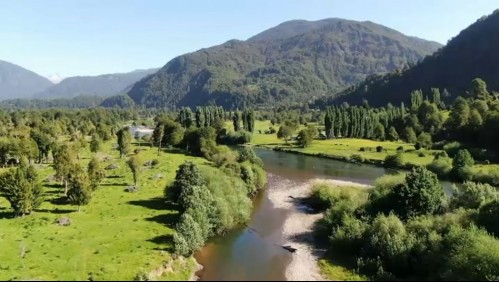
90,37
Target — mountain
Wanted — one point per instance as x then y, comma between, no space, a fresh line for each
295,61
103,85
471,54
17,82
55,78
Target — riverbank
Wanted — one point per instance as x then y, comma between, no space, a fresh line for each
297,230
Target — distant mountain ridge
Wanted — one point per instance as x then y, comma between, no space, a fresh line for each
296,61
18,82
105,85
471,54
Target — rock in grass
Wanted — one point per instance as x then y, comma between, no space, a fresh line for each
63,221
132,189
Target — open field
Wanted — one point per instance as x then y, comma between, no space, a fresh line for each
344,147
116,236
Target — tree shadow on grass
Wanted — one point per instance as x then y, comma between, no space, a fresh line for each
155,204
114,184
115,176
163,240
60,201
6,214
169,219
53,185
56,211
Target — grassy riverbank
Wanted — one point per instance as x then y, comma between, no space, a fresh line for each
345,148
115,237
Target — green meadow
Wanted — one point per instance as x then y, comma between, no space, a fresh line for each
116,236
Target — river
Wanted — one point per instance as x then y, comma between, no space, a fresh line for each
253,253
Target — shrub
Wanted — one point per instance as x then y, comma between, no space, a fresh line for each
452,148
425,140
439,155
247,154
461,165
491,177
421,155
272,130
400,149
387,239
324,195
472,195
357,158
349,235
441,166
470,254
488,217
154,162
417,146
234,138
396,160
379,149
362,149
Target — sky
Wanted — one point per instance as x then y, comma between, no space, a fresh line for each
91,37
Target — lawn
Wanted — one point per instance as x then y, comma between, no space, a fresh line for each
344,147
116,236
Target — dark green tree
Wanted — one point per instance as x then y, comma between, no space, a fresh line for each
95,173
124,141
21,189
420,194
392,134
134,164
80,192
95,143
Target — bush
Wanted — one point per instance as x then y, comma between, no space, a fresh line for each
439,155
472,195
421,155
418,146
357,158
473,256
348,236
461,165
441,166
362,149
396,161
247,154
400,149
425,140
488,217
154,162
272,130
491,177
379,149
324,195
452,148
234,138
387,239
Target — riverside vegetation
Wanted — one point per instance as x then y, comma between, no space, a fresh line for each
82,199
406,228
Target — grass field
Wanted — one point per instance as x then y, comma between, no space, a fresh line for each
344,147
334,272
115,237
